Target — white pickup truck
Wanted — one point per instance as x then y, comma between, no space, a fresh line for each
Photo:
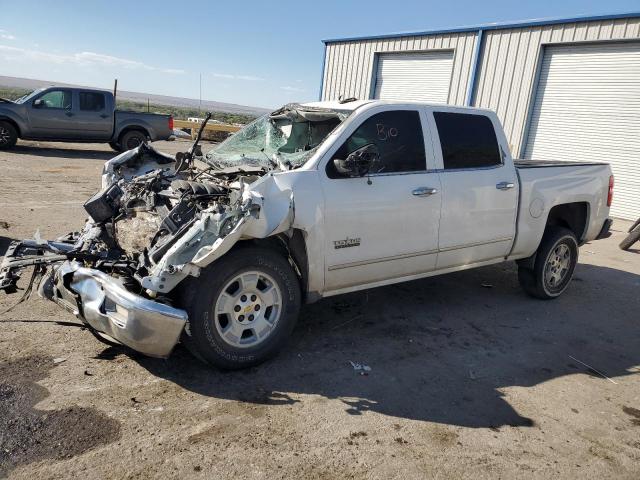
311,201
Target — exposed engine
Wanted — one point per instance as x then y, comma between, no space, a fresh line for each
136,220
159,219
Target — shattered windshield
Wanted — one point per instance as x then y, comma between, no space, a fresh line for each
284,139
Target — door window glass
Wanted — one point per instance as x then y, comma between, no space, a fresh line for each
91,101
56,99
467,140
398,136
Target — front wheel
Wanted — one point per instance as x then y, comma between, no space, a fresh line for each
555,263
242,309
115,146
8,135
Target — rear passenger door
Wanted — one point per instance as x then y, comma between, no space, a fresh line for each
479,188
94,116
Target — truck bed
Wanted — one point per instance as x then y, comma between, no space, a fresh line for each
520,163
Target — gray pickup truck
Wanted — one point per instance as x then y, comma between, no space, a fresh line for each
62,114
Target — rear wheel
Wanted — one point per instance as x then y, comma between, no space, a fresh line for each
115,146
242,309
132,139
555,263
8,135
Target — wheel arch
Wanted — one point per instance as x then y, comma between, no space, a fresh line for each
15,125
573,216
132,128
290,245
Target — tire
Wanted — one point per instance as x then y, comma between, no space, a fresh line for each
131,139
636,223
8,135
115,146
556,260
221,339
630,239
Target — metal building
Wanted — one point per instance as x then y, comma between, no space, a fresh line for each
565,89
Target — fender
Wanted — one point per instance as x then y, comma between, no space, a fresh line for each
134,124
14,117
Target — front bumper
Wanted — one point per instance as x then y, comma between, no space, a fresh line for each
147,326
100,300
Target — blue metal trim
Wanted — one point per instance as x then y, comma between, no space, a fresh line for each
324,61
494,26
477,57
374,75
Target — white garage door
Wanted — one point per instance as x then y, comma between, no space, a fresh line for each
587,107
422,76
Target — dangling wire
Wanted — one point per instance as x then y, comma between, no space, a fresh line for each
36,276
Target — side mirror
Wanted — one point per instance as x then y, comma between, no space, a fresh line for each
39,103
359,162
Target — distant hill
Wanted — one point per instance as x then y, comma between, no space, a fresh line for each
27,83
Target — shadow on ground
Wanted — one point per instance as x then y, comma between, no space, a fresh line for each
62,152
28,434
440,349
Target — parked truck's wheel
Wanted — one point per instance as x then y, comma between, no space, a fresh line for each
8,135
131,139
630,239
555,263
633,227
242,309
115,146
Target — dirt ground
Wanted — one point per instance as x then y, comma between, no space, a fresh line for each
470,378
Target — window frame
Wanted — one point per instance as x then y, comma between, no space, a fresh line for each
437,144
64,90
104,101
354,122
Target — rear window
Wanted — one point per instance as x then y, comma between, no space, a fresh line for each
467,141
91,102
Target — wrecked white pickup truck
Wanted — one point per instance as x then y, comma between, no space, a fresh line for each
219,251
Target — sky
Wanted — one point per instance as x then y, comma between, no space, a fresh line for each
253,53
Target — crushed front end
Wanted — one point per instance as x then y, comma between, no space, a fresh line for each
158,220
154,223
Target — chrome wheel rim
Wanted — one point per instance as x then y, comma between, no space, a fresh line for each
248,309
4,136
557,267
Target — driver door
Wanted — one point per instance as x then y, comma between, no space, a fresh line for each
51,115
383,225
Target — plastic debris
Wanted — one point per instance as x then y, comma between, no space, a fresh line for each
360,368
59,360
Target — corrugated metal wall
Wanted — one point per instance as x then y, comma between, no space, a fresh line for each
506,75
349,65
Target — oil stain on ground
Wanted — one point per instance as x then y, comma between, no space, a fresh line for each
28,434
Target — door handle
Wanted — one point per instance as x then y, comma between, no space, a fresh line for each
104,115
505,185
69,114
424,191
